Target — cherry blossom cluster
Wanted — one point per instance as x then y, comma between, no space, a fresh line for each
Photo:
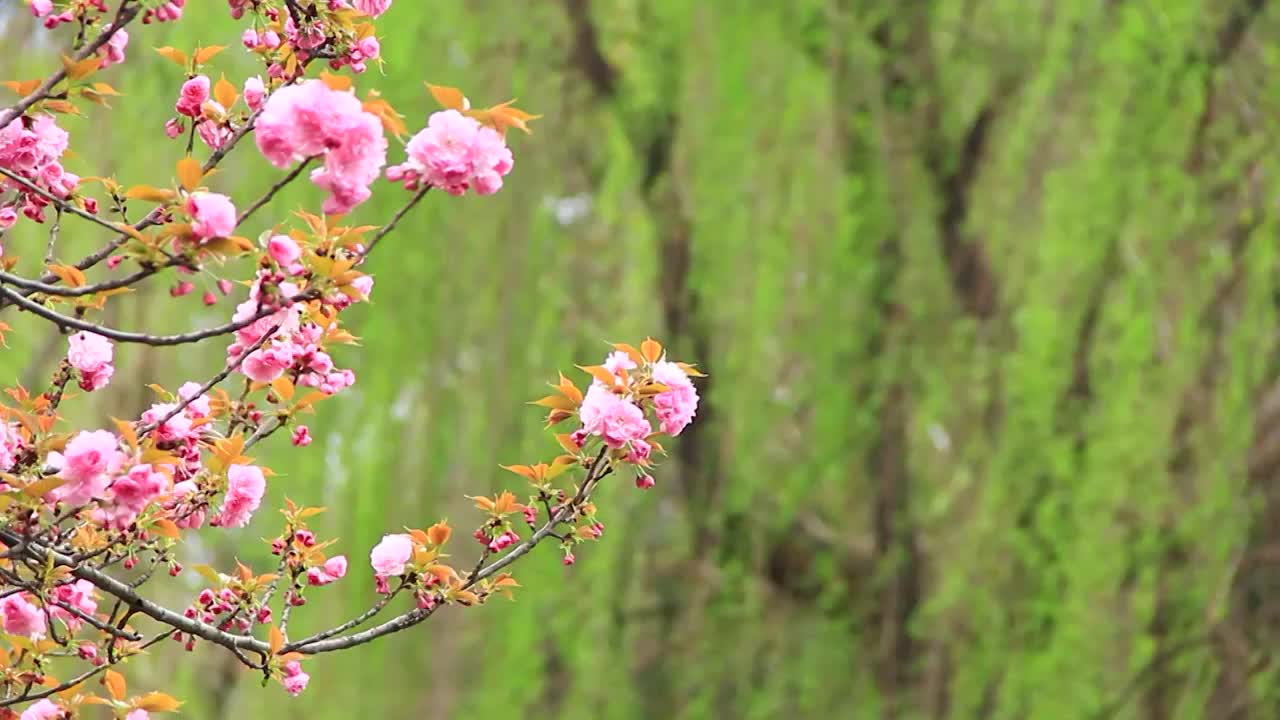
311,119
81,506
32,148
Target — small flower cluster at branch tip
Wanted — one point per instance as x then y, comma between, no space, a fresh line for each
32,148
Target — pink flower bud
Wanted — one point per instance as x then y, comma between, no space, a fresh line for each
114,261
209,298
130,562
306,537
249,38
182,288
264,616
254,93
225,286
40,8
8,216
644,482
175,570
206,597
569,559
88,651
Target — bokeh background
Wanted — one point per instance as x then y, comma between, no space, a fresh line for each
987,291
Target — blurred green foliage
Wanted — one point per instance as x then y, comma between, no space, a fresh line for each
986,289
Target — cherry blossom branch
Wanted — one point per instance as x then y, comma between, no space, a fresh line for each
271,193
324,642
222,375
124,16
28,697
144,338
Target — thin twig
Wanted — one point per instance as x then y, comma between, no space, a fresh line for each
145,338
271,193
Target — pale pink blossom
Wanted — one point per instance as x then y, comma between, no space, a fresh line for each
138,714
212,215
113,51
22,618
389,556
373,8
254,93
176,428
676,407
86,464
92,355
46,709
199,407
40,8
245,488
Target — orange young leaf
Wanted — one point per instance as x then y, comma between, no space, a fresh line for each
651,349
283,387
204,55
466,597
600,373
277,640
81,69
173,54
419,536
167,528
556,402
570,390
523,471
392,121
244,572
450,98
42,487
504,116
439,533
22,87
61,106
146,192
156,702
631,352
225,93
115,684
189,173
482,503
335,82
69,274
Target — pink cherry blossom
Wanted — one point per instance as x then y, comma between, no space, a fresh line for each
301,436
46,709
283,249
192,96
79,595
295,680
199,407
138,714
373,8
455,153
40,8
86,464
310,119
245,488
334,568
676,407
113,52
389,556
22,618
176,428
212,215
615,419
92,355
130,493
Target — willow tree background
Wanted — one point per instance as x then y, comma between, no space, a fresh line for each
987,291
